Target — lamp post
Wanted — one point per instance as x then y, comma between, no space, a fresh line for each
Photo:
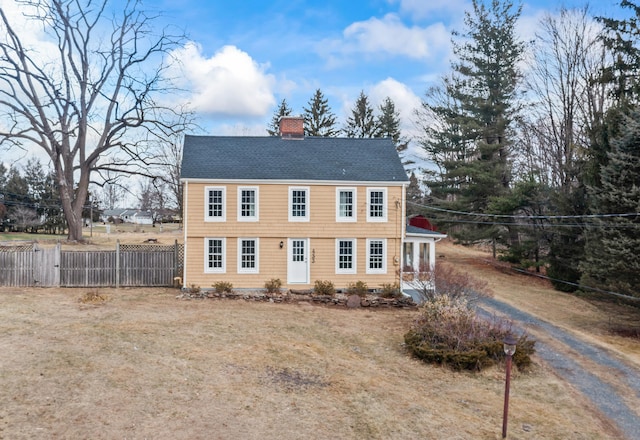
509,349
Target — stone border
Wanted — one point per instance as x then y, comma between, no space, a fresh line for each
337,300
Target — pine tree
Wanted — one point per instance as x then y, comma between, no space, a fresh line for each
470,140
319,120
362,122
613,260
388,123
610,246
283,110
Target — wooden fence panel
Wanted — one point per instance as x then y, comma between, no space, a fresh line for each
16,268
129,265
88,269
140,268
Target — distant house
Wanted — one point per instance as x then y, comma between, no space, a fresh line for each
135,216
296,208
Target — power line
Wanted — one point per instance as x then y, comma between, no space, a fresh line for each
538,217
580,286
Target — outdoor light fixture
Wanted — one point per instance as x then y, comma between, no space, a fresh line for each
281,244
509,349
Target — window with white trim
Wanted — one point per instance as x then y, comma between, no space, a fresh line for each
298,204
214,255
215,197
377,204
346,205
247,255
376,255
346,255
247,204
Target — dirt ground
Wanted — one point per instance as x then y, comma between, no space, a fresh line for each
142,364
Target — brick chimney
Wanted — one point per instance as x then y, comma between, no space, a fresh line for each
292,127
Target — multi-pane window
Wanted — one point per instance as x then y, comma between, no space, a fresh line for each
298,204
214,203
248,204
376,256
214,255
346,204
346,256
248,255
377,205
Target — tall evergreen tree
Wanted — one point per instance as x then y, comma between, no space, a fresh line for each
613,260
319,120
388,122
362,122
611,246
283,110
472,134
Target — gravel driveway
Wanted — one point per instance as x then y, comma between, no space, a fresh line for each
601,393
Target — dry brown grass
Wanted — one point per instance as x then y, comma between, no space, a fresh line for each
591,320
143,364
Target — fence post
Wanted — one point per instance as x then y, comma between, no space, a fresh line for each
117,263
175,259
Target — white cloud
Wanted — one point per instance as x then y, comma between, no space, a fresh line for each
228,83
391,36
405,100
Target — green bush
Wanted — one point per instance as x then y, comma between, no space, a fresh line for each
358,288
222,287
273,285
324,287
448,332
390,290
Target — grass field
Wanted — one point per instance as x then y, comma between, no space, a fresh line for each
140,363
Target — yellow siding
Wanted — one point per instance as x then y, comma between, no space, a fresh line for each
274,226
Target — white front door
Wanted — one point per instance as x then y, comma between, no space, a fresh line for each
298,261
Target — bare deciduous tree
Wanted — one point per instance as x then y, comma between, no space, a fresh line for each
93,103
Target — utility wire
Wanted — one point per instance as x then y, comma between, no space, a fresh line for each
475,214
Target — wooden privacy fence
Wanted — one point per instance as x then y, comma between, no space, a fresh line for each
127,266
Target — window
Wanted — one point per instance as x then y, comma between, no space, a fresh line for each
247,204
345,255
377,205
346,205
248,255
376,255
298,204
214,204
214,255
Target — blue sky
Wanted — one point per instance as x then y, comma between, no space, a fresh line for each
243,57
287,49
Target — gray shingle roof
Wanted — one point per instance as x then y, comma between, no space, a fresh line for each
270,157
426,232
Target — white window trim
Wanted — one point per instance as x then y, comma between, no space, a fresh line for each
307,204
354,217
244,269
355,255
385,205
254,218
208,269
384,256
209,218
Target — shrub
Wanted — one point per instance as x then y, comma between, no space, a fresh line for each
324,288
445,280
194,289
222,287
273,285
448,332
390,290
358,288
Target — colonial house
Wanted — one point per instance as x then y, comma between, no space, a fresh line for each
295,208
